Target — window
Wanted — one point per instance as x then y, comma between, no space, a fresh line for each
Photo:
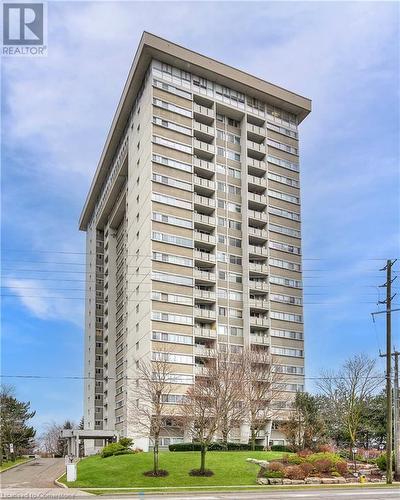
285,351
221,221
236,331
235,278
235,259
222,275
284,213
235,242
221,186
174,221
171,125
172,298
295,318
172,163
169,181
222,239
222,311
170,200
172,337
284,247
171,318
232,172
291,370
172,357
172,107
283,180
283,146
234,224
172,89
234,207
281,280
286,299
287,334
289,231
282,130
235,190
173,259
173,399
235,313
172,278
284,196
172,239
284,264
172,144
284,163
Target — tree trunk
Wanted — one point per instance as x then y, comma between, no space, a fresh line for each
155,454
253,440
203,458
225,433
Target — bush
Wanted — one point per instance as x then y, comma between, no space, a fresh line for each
294,472
122,452
307,468
275,466
111,449
295,459
304,453
333,457
274,474
280,447
323,465
213,447
335,474
326,448
126,442
341,467
381,461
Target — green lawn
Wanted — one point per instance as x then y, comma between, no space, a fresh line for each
6,465
229,467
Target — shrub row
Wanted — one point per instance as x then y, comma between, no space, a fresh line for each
213,447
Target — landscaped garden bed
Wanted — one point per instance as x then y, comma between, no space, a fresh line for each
314,468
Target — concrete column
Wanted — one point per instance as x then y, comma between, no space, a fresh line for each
268,431
244,433
187,435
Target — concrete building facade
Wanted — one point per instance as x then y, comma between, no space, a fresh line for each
193,230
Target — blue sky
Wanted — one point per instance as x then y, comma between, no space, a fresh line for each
55,116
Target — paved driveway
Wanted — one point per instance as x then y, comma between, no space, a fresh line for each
39,473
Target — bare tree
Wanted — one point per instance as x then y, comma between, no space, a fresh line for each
202,412
150,408
349,390
50,441
227,371
263,389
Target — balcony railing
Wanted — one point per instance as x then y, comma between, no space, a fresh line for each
259,268
202,110
203,146
204,129
254,129
204,164
205,238
259,233
204,294
258,198
257,321
255,146
204,275
258,181
206,333
204,313
205,256
199,181
258,164
254,249
201,370
255,214
258,303
200,350
203,200
259,339
258,285
204,219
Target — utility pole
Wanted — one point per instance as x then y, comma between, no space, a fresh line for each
396,416
388,355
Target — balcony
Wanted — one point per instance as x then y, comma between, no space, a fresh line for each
257,184
204,352
203,132
256,150
258,285
204,258
258,251
206,295
203,186
256,167
258,268
259,321
204,314
261,304
257,200
255,133
257,233
201,370
203,221
259,339
256,217
201,275
207,240
205,333
203,114
204,204
203,149
203,167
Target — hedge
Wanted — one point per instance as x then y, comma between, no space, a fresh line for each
281,447
213,447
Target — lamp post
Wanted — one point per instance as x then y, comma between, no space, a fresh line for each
354,451
314,440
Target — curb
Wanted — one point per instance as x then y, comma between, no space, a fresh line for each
18,465
58,483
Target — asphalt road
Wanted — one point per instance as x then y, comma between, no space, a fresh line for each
39,473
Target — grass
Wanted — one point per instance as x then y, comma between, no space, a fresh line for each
230,469
9,463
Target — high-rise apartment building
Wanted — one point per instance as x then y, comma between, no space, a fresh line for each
193,229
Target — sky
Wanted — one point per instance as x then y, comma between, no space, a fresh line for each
56,112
